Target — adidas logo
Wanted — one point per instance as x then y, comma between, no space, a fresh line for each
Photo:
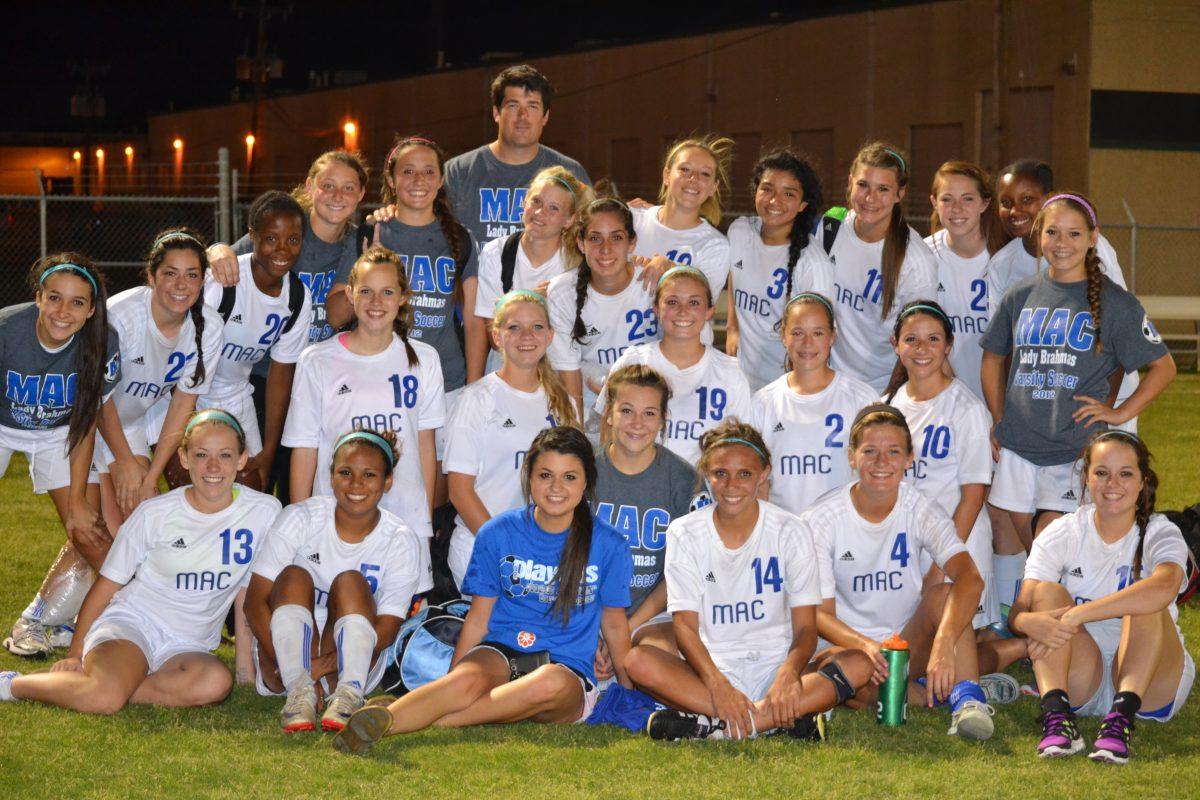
778,427
138,360
1076,573
710,578
941,288
344,389
179,544
236,319
738,265
1069,494
314,557
593,331
847,556
508,423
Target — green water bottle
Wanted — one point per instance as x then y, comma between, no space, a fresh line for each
892,707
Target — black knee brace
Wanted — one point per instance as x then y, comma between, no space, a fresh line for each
841,684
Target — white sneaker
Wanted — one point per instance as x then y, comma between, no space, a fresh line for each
29,639
1000,688
344,701
300,711
6,679
972,721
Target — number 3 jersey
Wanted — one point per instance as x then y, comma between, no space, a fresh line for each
183,567
744,596
1070,551
337,391
702,395
874,570
305,535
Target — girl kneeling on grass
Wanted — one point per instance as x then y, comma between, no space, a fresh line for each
743,590
874,538
546,580
148,626
341,568
1098,606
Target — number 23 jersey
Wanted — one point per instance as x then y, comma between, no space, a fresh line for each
182,566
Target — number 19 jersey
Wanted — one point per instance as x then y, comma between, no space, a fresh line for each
873,570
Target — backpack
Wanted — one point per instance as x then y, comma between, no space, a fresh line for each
295,289
423,648
508,262
1188,521
830,223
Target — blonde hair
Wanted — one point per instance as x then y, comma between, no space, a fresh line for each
720,149
561,406
581,197
348,158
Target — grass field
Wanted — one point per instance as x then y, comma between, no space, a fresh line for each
237,751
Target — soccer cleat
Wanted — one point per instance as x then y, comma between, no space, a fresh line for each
300,711
6,679
382,700
341,704
61,635
29,639
1000,688
1060,736
670,725
1112,743
809,728
972,721
364,728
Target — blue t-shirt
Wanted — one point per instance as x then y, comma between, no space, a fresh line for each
515,561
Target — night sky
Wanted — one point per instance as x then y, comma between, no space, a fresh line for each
145,58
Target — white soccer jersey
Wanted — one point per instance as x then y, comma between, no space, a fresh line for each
703,247
808,436
759,275
863,346
874,571
525,275
702,396
614,323
490,429
1070,551
963,292
254,329
336,391
183,567
305,535
744,597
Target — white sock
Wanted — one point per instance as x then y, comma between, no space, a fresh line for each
1009,572
6,679
355,639
291,635
34,610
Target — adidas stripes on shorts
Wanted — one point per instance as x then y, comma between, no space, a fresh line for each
1024,487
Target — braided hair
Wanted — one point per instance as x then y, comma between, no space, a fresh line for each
456,235
184,238
1091,260
785,159
583,279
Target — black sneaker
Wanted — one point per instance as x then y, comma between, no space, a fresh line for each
810,728
671,726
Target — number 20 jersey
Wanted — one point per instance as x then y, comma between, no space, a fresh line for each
874,570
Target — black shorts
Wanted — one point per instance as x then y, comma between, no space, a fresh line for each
521,663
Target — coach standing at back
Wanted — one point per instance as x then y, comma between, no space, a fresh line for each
487,185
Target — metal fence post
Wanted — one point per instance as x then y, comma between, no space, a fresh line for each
223,226
41,208
1132,247
234,204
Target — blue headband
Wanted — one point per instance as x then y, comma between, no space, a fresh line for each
820,298
686,269
737,440
371,437
900,158
73,268
215,415
564,183
913,309
518,293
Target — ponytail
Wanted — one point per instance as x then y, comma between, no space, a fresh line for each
184,238
895,242
1091,261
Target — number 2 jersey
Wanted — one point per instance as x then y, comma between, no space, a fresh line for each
1070,551
963,292
305,535
702,395
743,596
183,567
874,570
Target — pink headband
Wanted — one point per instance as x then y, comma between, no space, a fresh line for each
1091,212
405,143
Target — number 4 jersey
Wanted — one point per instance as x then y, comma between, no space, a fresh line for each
873,570
182,566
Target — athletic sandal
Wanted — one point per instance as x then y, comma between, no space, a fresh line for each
339,706
383,700
1000,688
300,711
29,639
670,726
364,728
972,721
1112,743
1060,736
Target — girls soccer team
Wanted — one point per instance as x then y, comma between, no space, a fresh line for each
736,533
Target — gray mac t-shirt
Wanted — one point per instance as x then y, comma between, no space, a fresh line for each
488,194
1047,328
433,276
40,386
641,507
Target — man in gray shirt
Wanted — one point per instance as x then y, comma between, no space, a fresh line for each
487,185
